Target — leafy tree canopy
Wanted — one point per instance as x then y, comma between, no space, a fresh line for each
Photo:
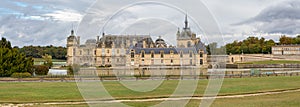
12,61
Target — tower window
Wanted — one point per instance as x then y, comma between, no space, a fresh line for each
201,61
191,54
201,54
162,54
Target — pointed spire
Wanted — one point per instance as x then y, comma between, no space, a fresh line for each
72,32
186,21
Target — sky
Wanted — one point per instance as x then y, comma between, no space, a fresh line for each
49,22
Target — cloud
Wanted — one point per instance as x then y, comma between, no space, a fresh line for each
65,15
43,22
283,17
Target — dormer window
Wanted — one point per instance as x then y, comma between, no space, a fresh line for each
132,54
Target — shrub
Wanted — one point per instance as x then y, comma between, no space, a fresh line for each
41,69
73,69
21,75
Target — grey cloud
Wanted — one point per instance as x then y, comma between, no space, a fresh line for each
21,29
283,17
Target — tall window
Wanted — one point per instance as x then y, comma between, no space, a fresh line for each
161,54
74,51
201,61
181,54
95,52
191,54
201,54
132,54
191,62
143,54
189,44
171,61
152,54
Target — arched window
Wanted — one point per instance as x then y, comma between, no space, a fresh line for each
232,60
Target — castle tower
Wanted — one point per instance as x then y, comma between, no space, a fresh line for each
185,38
72,44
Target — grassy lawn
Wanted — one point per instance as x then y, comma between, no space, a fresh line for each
39,61
273,62
53,60
67,91
275,100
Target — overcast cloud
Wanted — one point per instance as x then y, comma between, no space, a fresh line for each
45,22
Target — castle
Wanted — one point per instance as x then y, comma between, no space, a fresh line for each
138,51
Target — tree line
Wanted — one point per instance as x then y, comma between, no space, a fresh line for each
251,45
40,51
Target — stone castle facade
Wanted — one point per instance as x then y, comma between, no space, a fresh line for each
137,50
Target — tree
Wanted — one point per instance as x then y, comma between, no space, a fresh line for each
48,60
285,40
12,61
251,45
4,43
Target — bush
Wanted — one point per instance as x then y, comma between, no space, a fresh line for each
73,69
41,69
21,75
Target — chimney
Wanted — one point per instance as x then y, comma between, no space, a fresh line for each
144,43
98,39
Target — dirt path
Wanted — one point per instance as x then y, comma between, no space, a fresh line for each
154,99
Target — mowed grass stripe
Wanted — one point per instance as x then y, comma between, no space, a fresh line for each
67,91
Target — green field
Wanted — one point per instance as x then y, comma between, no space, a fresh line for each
272,62
276,100
39,61
21,92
